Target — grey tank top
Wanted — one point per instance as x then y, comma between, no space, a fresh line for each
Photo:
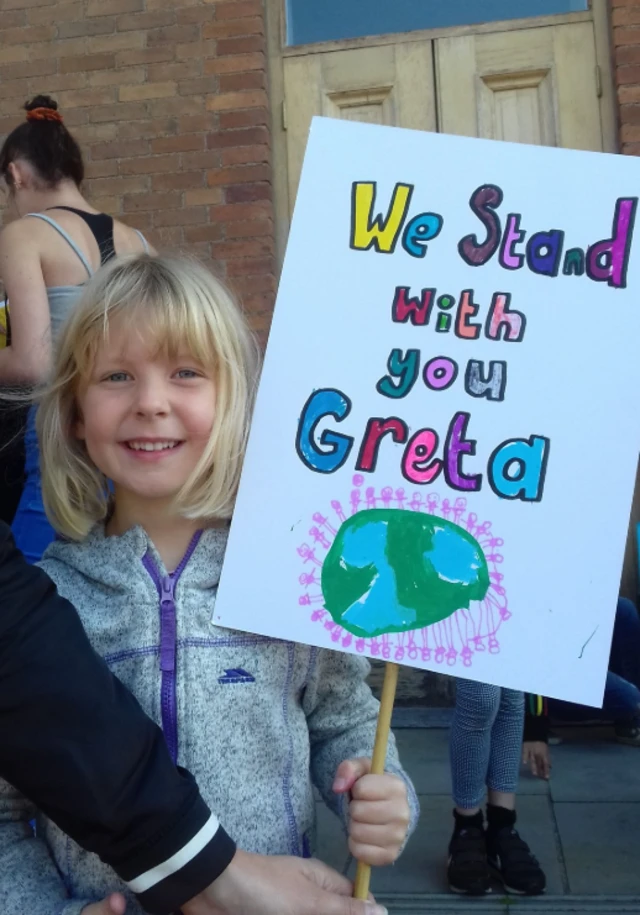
63,298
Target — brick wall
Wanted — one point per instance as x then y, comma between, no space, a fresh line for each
168,100
626,42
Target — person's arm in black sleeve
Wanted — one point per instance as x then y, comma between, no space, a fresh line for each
75,741
536,719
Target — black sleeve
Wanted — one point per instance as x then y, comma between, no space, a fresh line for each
76,742
536,719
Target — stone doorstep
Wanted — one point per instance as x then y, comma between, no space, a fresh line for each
427,904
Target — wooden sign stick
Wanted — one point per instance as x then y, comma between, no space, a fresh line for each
363,871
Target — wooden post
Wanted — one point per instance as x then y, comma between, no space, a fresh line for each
363,871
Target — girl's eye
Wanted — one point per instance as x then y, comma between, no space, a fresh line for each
186,373
117,376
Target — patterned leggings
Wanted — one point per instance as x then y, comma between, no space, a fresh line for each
486,741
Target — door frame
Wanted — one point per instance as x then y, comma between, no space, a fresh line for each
278,51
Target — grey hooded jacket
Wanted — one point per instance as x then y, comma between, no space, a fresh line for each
258,722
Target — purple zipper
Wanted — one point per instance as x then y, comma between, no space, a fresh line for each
168,642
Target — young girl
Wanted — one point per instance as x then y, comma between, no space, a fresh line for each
142,434
485,749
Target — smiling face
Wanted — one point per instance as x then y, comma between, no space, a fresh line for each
146,415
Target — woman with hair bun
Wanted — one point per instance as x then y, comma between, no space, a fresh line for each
56,241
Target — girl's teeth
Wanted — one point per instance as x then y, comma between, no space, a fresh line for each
151,446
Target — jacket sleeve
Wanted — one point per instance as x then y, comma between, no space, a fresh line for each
536,719
342,715
76,743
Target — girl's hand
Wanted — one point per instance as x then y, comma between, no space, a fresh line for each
115,904
535,754
378,812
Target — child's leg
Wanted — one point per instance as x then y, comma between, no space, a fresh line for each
509,855
506,750
477,706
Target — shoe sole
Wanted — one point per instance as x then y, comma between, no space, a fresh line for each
467,892
511,889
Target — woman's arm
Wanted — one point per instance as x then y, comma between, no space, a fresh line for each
26,361
76,742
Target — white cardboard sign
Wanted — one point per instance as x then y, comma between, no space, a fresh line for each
445,441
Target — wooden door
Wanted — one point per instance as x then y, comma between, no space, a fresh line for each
537,85
392,85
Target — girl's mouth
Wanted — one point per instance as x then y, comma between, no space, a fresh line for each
147,446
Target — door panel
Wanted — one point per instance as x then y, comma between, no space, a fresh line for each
391,84
534,86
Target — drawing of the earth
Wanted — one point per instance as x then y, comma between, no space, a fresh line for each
390,570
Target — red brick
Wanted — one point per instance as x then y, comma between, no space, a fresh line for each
238,175
185,69
195,50
58,83
204,233
253,228
251,117
24,4
196,123
206,159
239,212
55,49
626,15
186,143
147,91
245,45
177,181
629,94
103,169
194,14
232,82
244,155
167,237
88,62
172,35
118,41
136,202
154,20
238,100
113,7
86,27
120,149
245,193
117,186
233,28
630,117
243,247
28,69
140,221
627,55
86,98
111,205
626,36
201,86
115,77
250,284
238,63
194,216
65,12
143,56
15,90
147,129
631,149
250,136
237,9
627,75
93,133
250,266
131,112
28,34
14,18
149,165
203,196
180,105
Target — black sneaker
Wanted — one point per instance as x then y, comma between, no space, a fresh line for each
511,859
468,870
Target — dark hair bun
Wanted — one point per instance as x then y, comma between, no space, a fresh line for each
41,101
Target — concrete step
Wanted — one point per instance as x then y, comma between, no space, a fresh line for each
427,904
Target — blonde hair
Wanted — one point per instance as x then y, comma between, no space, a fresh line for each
178,303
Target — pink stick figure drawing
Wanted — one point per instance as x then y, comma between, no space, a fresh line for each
400,497
386,495
416,502
370,496
324,522
308,579
319,537
308,554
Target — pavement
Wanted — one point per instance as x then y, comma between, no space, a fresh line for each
583,826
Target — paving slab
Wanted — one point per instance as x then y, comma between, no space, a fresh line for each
600,846
588,770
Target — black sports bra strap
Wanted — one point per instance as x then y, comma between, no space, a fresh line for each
101,227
